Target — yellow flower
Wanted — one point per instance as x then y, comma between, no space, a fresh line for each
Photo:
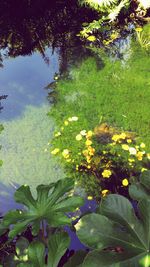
116,137
122,135
88,159
131,160
89,197
89,166
91,150
79,137
138,29
125,182
143,169
129,141
148,155
91,38
73,118
85,152
125,147
142,145
65,153
66,123
68,160
132,151
104,192
139,155
77,167
62,128
89,134
57,134
55,151
83,132
106,173
88,142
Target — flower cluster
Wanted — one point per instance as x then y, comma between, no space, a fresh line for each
100,168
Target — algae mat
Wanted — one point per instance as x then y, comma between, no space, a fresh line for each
25,151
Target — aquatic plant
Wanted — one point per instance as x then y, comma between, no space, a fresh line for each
141,188
35,253
114,19
102,160
104,91
26,155
51,208
116,235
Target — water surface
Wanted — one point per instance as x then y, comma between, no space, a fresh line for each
27,128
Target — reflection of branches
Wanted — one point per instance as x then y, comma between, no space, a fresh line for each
2,97
28,26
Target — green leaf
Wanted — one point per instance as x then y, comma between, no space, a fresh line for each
77,259
57,246
50,205
119,209
138,191
116,228
144,208
36,252
141,190
145,179
98,258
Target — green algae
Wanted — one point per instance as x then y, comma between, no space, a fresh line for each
25,149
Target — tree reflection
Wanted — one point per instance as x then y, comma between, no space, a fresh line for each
32,25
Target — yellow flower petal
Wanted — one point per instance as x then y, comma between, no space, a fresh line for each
125,182
122,135
66,123
142,145
104,192
125,147
115,137
79,137
89,197
106,173
143,169
55,151
88,142
89,134
57,134
65,153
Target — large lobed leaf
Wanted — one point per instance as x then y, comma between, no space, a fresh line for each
116,226
50,205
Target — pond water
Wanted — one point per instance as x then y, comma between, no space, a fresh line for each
27,129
